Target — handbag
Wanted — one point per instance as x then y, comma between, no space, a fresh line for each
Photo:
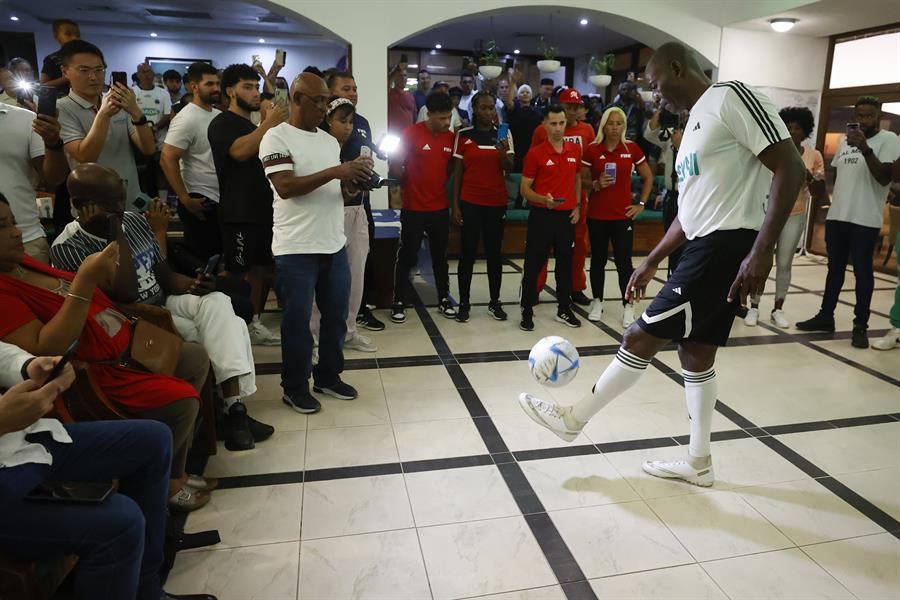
153,348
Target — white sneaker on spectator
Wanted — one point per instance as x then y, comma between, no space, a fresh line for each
628,315
889,341
361,343
260,335
752,317
596,310
779,319
680,469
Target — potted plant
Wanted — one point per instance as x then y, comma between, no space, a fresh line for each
549,64
490,66
644,90
601,67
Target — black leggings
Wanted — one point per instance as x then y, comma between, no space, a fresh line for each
622,235
485,223
414,226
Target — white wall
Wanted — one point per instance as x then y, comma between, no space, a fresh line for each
780,60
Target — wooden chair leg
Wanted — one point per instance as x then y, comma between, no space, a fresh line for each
208,415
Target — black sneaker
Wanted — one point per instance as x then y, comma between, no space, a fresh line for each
260,431
237,428
340,390
819,322
462,313
580,299
446,309
495,308
568,318
398,312
527,322
367,320
302,403
860,338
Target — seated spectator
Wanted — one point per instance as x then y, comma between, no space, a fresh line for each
119,542
199,312
45,310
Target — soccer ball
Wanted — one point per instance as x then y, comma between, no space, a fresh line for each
553,361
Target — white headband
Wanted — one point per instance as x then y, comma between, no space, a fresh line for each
336,103
524,87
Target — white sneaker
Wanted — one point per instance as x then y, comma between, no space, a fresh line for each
549,414
779,319
680,469
596,310
752,317
889,341
361,343
260,335
628,315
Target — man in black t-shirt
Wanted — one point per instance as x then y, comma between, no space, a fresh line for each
64,31
245,197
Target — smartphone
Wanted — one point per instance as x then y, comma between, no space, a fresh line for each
112,228
509,65
852,127
118,77
280,56
69,491
502,132
61,364
46,100
254,60
609,169
211,265
558,201
365,151
281,95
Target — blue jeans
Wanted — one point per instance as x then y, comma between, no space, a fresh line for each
119,542
299,279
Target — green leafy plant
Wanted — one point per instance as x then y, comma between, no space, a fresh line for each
550,52
602,65
490,55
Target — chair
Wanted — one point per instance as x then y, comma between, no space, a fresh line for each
33,580
892,222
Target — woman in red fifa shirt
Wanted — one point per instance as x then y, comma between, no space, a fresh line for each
611,213
479,166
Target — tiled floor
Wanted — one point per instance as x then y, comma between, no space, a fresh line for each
433,484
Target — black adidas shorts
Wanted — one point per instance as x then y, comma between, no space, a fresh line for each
693,304
246,245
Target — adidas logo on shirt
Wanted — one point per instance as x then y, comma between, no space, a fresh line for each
550,162
426,147
677,290
696,127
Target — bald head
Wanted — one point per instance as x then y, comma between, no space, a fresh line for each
674,52
675,74
96,184
309,101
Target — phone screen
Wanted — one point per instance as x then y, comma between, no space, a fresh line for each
211,264
119,77
502,132
280,56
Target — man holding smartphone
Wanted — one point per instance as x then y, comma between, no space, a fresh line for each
862,182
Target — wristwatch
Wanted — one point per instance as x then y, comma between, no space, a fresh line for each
142,121
642,202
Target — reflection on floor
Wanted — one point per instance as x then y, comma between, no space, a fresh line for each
433,484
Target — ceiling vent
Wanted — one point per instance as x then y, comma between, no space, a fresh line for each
178,14
271,18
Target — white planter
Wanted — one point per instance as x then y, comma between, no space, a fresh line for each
548,66
490,71
600,81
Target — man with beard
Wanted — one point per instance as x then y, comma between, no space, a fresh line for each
188,163
245,200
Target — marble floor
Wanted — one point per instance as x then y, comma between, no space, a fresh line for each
433,484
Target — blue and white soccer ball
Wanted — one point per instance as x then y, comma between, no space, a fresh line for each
553,361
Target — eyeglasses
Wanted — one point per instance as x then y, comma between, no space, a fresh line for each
88,71
321,101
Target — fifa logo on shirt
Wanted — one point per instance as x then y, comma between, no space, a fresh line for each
687,166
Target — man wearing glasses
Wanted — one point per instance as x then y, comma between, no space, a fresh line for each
310,184
101,130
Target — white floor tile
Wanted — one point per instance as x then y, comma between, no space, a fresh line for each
868,566
851,449
881,488
438,439
457,495
521,433
409,407
281,453
688,582
353,506
350,446
577,481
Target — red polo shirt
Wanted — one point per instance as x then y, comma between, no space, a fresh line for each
483,181
554,172
609,204
427,155
581,133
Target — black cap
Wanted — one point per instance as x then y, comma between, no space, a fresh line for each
547,81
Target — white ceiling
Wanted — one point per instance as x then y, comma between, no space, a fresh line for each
830,17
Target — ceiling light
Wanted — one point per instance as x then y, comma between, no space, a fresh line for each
262,40
152,34
782,25
14,18
438,46
516,51
583,21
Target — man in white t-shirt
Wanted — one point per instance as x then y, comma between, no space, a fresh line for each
862,182
733,143
157,107
29,142
187,161
310,184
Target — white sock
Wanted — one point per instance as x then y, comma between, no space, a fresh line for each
700,390
619,376
229,401
255,319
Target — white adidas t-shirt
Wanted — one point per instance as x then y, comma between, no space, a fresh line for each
188,132
314,223
722,184
155,103
857,197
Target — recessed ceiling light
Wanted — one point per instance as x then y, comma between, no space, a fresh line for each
14,18
152,34
438,46
782,25
516,51
262,40
583,21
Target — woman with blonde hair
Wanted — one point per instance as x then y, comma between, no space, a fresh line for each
608,163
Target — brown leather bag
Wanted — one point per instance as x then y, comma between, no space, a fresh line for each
154,348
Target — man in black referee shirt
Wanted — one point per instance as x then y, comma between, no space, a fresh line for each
734,152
